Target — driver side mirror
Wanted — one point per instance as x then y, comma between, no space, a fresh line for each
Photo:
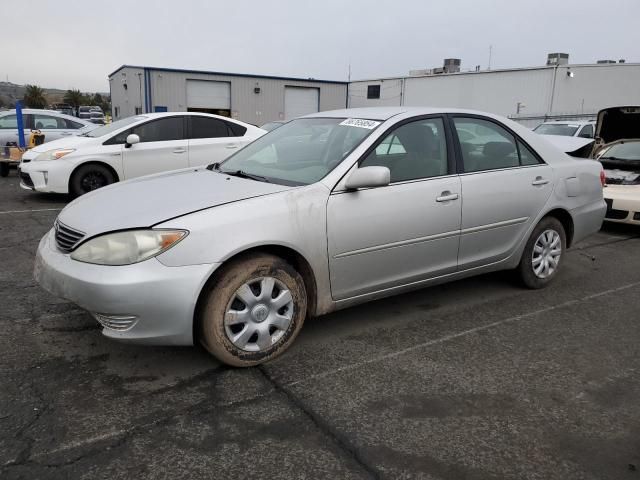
132,139
368,177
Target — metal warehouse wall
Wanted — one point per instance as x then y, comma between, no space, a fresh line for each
169,89
544,91
127,99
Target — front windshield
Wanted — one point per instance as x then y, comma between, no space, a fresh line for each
302,151
561,129
112,127
629,151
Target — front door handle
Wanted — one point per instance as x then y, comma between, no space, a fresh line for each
539,181
180,150
66,134
447,196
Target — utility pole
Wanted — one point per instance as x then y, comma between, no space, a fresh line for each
490,52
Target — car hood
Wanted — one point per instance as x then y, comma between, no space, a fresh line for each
574,146
62,143
147,201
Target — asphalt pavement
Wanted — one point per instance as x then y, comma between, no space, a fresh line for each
476,379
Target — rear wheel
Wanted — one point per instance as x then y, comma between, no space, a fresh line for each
543,253
254,311
90,177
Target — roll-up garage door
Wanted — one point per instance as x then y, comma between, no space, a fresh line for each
204,94
300,101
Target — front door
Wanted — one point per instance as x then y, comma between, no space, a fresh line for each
408,231
163,146
505,186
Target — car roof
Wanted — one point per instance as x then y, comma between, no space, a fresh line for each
152,115
568,122
385,113
55,113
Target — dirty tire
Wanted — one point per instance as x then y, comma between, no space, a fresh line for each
90,177
222,295
525,269
4,169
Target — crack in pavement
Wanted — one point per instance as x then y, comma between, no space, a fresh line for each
339,440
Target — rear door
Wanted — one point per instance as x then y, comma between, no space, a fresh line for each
163,146
212,140
505,185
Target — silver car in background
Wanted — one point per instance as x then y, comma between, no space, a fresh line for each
327,211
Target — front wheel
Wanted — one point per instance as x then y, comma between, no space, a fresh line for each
90,177
253,311
543,253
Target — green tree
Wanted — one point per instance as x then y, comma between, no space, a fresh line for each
75,98
34,97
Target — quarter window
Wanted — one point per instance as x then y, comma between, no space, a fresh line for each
526,155
412,151
587,131
487,146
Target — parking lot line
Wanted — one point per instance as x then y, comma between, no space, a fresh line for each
453,336
33,210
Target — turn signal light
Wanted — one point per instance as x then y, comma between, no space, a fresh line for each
603,178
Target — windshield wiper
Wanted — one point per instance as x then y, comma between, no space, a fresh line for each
251,176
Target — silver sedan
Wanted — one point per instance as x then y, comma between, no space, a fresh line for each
327,211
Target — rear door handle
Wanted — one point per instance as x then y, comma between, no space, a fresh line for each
180,150
66,134
232,145
447,197
539,181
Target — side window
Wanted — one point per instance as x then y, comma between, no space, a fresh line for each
9,122
236,130
47,122
161,130
412,151
526,156
492,147
204,127
587,131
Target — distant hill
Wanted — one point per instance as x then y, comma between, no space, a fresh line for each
12,92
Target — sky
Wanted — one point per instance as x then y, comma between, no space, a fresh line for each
76,44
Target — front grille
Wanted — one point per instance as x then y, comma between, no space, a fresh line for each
66,237
26,179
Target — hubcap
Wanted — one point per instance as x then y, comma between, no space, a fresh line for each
258,314
546,253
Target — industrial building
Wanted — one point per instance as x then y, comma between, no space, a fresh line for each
557,90
254,99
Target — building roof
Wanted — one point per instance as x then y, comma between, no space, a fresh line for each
499,70
207,72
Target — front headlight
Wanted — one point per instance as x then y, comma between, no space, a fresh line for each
54,154
125,248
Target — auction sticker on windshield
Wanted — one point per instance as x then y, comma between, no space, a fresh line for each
361,123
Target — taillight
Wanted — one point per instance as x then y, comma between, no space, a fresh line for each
603,178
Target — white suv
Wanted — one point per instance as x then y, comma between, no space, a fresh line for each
132,147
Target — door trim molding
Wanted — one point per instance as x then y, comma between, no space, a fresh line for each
401,243
491,226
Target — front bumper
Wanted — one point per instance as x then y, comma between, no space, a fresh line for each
623,204
45,176
162,299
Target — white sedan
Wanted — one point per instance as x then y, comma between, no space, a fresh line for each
133,147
